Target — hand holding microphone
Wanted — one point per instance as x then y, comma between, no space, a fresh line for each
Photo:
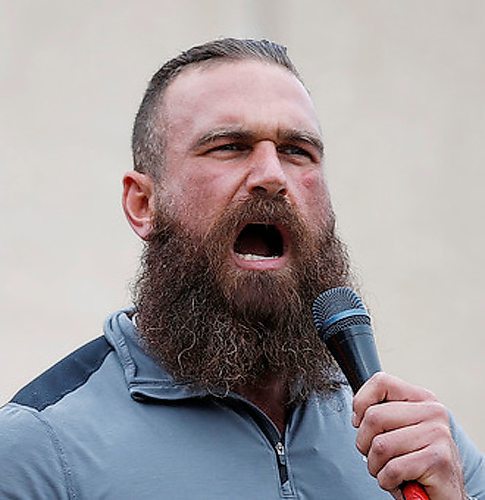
402,429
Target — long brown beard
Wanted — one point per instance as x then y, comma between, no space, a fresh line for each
219,328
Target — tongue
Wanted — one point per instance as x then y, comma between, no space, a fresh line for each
251,244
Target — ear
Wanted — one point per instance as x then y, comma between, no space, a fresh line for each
138,202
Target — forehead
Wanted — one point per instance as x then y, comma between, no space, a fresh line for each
251,94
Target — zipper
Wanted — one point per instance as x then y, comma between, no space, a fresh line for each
271,433
281,454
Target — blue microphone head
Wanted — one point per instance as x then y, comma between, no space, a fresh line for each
338,308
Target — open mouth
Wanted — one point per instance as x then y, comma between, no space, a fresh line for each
259,242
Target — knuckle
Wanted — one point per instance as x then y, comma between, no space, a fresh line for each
389,477
380,378
371,417
392,472
441,432
443,456
440,461
440,457
439,411
380,446
429,395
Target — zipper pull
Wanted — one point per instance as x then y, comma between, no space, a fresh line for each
280,450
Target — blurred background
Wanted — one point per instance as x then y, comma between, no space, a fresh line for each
399,87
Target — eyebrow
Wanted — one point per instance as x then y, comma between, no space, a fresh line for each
296,135
224,133
241,134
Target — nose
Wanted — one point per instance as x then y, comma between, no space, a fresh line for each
266,173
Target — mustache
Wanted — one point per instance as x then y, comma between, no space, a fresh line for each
267,209
260,208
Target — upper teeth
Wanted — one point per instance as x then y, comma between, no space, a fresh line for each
250,256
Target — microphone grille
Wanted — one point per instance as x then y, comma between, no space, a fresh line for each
338,308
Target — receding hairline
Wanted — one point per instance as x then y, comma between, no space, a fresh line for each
223,61
207,65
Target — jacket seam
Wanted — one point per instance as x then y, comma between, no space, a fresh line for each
58,450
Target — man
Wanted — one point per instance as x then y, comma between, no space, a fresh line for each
215,385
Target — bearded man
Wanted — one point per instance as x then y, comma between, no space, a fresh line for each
215,384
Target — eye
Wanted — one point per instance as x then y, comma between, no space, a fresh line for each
233,146
227,150
295,151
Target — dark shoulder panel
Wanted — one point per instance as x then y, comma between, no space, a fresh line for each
65,376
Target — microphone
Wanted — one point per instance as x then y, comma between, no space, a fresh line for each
343,323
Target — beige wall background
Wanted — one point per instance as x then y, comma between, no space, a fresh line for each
400,90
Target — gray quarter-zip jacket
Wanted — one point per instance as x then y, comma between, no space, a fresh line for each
108,423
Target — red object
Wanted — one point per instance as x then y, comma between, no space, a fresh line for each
414,491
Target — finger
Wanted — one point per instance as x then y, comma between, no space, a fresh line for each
397,494
404,441
385,417
384,387
408,467
435,467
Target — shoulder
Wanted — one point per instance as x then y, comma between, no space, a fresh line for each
64,377
31,457
34,426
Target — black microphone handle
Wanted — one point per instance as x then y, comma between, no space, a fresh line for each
355,351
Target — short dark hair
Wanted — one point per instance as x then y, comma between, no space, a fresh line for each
147,138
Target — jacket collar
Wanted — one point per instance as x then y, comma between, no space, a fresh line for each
145,378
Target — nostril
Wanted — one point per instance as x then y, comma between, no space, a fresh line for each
261,190
268,186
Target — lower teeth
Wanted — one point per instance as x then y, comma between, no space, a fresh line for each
250,256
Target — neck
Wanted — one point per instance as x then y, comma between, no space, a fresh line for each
270,396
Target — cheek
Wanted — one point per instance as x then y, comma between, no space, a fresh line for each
314,190
202,198
198,202
310,181
313,180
